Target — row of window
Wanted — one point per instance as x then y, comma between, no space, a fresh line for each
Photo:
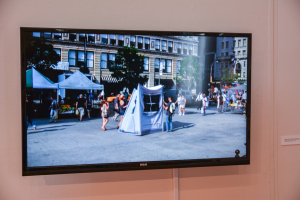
118,40
239,44
76,59
237,53
226,64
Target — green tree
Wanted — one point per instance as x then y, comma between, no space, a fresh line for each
228,76
40,55
190,70
128,67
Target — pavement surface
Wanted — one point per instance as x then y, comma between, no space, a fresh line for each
194,136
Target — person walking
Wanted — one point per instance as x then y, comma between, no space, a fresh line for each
29,109
116,107
80,104
204,104
183,103
53,110
89,105
166,106
221,103
104,108
199,99
179,101
122,108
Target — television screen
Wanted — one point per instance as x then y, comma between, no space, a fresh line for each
109,100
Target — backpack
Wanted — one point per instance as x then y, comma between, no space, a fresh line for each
172,108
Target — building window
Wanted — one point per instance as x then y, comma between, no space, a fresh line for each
103,64
244,63
56,36
234,43
47,35
151,102
227,44
76,59
240,43
163,65
120,40
190,49
72,58
146,64
185,49
226,65
244,42
72,36
104,39
112,38
226,53
80,59
222,54
81,37
157,45
170,47
234,53
36,34
140,42
178,66
222,44
164,45
91,38
156,64
179,45
244,52
90,59
111,60
195,50
239,53
169,66
132,41
147,43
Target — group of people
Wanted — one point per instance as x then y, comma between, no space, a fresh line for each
223,99
120,105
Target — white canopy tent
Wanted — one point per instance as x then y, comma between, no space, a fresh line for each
35,79
144,113
78,81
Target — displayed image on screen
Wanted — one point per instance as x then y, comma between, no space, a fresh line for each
108,100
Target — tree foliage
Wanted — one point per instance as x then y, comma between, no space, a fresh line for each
228,76
128,67
40,55
190,70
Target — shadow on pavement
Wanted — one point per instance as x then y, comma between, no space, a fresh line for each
180,125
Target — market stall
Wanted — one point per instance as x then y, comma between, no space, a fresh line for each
76,81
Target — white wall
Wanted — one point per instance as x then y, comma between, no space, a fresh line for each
274,169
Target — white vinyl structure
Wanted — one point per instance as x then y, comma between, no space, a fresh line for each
78,81
35,79
144,113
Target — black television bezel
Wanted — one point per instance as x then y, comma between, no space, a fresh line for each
143,165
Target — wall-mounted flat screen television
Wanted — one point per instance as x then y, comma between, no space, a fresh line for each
112,100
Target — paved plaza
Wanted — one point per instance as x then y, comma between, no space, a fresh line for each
194,136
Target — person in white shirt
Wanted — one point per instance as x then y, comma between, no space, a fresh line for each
178,101
224,101
183,102
199,98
